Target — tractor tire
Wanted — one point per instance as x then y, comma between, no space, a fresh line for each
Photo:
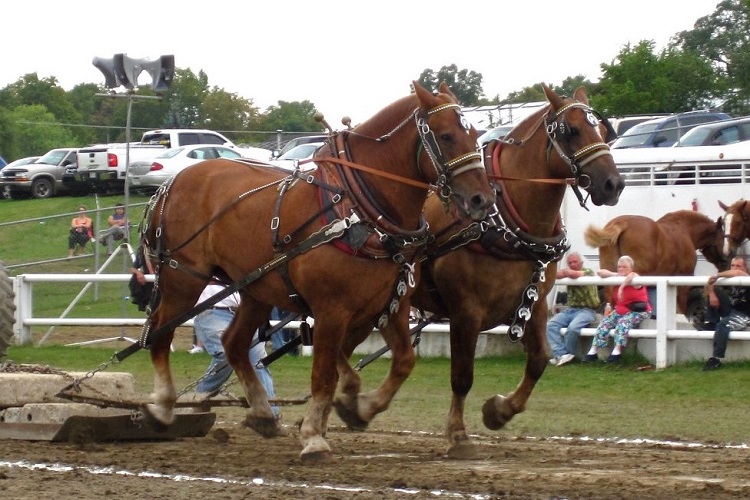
7,311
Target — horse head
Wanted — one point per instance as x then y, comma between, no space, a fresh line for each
448,153
714,251
736,226
580,135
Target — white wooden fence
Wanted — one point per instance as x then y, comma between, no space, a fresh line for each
664,334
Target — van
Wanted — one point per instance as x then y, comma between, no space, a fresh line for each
667,130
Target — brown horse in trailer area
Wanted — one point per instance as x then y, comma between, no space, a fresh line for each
498,271
665,247
338,244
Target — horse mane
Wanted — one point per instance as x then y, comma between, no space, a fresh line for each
602,237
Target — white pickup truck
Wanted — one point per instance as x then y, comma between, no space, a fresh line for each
103,167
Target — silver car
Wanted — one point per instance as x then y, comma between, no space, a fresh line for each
41,179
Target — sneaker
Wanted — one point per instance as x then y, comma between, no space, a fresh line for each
712,364
554,361
565,359
196,350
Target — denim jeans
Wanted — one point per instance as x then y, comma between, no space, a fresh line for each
572,318
209,327
284,335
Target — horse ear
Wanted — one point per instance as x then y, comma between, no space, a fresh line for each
443,88
423,94
552,97
580,95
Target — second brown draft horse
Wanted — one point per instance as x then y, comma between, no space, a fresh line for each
737,226
663,247
338,244
498,271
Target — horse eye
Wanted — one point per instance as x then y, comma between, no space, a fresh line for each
446,137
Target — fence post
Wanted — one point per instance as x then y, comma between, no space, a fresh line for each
666,297
24,309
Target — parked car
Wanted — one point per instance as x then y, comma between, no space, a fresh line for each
288,160
41,179
717,134
622,124
494,133
148,175
22,161
297,141
667,130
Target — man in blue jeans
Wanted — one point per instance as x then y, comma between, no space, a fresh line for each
209,327
581,311
728,310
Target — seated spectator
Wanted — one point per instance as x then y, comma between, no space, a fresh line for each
581,311
630,307
728,309
118,228
80,232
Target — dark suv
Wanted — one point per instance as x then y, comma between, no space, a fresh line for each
665,131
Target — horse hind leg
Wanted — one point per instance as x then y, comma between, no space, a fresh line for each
498,410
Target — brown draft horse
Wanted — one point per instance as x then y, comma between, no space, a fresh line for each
665,247
737,226
510,258
233,219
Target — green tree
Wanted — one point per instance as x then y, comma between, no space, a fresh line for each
36,131
293,116
466,84
723,39
228,112
642,81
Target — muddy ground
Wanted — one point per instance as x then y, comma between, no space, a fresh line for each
232,461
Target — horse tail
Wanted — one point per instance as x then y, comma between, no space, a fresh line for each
604,237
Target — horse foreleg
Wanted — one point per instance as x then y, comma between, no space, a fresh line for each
463,338
236,341
499,410
327,344
164,395
357,409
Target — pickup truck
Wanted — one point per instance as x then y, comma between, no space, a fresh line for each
41,179
103,167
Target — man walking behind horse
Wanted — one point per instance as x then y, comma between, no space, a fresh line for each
581,311
728,309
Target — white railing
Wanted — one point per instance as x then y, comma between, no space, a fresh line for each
665,332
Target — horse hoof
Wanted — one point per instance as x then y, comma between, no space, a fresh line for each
266,427
316,457
316,452
492,416
464,450
350,417
154,417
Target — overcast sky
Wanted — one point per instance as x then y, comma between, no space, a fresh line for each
349,57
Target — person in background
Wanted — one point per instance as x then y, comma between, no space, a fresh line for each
209,328
80,232
118,228
630,307
281,337
581,311
728,309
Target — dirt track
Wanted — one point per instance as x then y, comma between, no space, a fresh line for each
233,462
